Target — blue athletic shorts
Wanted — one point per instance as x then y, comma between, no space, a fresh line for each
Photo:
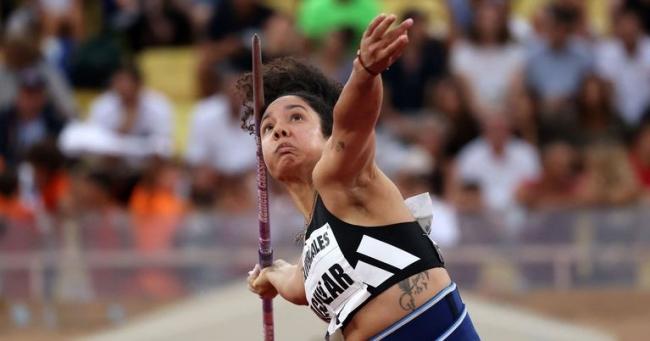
443,317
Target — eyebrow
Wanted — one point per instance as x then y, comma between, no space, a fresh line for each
287,107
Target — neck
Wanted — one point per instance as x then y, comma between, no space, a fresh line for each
498,149
630,47
303,195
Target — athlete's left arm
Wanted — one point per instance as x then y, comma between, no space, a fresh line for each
351,147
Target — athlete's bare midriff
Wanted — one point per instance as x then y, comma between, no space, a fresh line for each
395,303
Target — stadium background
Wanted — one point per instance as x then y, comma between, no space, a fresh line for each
127,188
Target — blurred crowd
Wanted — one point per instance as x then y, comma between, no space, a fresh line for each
496,108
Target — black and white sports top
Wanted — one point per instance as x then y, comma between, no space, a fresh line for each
345,266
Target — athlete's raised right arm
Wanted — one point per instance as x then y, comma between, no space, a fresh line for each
280,278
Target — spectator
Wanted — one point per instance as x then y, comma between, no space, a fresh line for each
451,106
200,12
525,117
159,23
489,64
157,211
230,30
640,154
281,37
11,208
609,176
23,19
133,112
216,139
30,119
597,120
643,9
333,56
624,61
495,164
105,227
558,64
22,53
118,14
95,200
62,12
423,62
155,200
558,185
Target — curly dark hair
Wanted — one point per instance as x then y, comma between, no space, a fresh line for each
290,76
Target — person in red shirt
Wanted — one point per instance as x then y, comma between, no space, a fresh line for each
558,186
156,212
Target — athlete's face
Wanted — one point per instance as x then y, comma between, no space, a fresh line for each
292,141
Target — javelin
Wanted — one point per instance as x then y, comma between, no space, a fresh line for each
265,252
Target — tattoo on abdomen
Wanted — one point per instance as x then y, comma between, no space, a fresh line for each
412,287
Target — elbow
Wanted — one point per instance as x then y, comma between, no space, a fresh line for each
299,301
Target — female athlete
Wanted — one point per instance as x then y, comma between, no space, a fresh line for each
367,266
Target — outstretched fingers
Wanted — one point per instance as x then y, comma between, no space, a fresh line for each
381,45
373,25
397,32
381,28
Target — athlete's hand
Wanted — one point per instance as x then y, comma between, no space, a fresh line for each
258,282
380,47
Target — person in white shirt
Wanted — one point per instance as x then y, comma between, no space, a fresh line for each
126,120
216,138
625,62
497,163
489,63
130,108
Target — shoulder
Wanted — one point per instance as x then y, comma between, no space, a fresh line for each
106,98
155,98
523,150
581,48
608,46
156,107
521,146
473,149
537,49
462,51
209,109
107,101
515,51
607,50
